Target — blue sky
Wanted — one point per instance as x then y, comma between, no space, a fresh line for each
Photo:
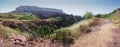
76,7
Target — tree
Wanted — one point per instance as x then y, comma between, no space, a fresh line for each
88,15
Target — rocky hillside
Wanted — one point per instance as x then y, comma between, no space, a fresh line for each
40,10
35,8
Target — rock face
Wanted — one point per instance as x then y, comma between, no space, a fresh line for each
34,8
38,10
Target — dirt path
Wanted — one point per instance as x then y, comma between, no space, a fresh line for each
99,38
116,38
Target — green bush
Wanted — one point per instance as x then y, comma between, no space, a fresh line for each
88,15
62,35
26,17
53,19
44,31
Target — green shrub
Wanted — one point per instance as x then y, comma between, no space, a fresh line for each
44,31
26,17
53,19
88,15
62,35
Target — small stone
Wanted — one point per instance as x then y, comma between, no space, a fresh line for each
115,43
17,41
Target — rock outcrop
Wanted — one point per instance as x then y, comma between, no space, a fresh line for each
38,10
35,8
17,39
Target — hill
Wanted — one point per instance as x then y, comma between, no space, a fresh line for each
35,8
39,11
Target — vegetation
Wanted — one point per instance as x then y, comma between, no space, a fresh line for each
78,18
103,15
88,15
62,35
53,19
115,17
5,31
67,20
83,27
44,31
26,17
7,15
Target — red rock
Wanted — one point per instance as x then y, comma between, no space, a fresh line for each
18,39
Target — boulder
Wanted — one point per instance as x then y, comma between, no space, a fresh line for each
18,39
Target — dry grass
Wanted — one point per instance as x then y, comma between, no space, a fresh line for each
78,27
115,18
6,31
8,19
13,19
